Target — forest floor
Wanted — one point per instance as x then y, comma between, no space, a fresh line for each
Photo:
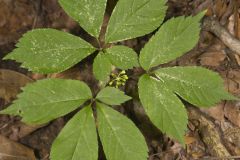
212,133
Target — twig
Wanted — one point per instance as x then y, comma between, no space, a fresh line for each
212,25
210,134
221,158
202,5
38,7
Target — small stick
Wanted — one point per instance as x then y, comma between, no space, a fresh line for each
221,158
212,25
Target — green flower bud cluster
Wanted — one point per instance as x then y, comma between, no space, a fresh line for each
118,80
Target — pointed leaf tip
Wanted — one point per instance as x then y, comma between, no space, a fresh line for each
112,96
48,99
197,85
78,139
50,51
89,14
131,19
120,138
175,37
163,107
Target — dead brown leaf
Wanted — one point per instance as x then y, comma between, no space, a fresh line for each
10,150
220,7
216,112
10,84
189,139
233,81
232,112
213,58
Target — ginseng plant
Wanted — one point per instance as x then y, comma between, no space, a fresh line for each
49,51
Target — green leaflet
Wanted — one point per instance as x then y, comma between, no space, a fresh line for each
49,50
196,85
102,68
134,18
176,37
120,138
122,57
163,107
45,100
88,13
78,139
112,96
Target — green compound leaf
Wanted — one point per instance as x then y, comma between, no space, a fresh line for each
48,99
88,13
50,50
112,96
120,138
163,107
196,85
102,67
176,37
78,139
134,18
122,57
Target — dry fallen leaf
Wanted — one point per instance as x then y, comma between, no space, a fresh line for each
233,81
10,150
10,84
232,112
216,112
213,58
189,140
